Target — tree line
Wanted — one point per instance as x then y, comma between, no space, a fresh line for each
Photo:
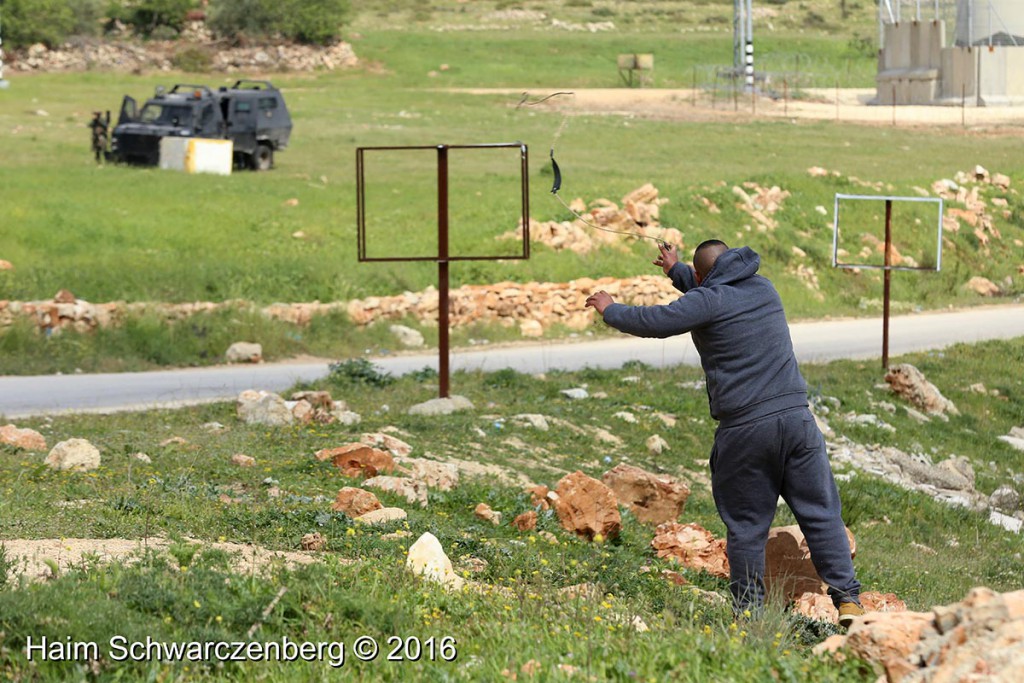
53,22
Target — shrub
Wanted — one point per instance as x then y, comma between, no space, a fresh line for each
147,16
26,22
192,59
358,371
315,23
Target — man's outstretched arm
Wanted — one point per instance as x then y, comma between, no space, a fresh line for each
678,317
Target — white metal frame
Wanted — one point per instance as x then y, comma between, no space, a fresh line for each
862,197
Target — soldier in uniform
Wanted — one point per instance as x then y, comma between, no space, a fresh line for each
98,126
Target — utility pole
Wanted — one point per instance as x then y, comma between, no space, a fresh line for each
743,43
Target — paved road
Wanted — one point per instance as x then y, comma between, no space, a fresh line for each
813,341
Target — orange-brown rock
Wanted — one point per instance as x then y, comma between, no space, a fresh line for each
483,511
789,571
980,638
358,460
819,605
27,439
692,546
587,507
526,521
539,497
355,502
316,399
652,498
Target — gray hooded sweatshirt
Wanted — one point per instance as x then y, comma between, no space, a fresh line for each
737,323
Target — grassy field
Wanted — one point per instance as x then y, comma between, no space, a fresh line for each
114,233
358,587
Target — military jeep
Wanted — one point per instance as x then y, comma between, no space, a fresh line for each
252,114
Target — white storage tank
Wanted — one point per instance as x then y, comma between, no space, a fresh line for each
990,22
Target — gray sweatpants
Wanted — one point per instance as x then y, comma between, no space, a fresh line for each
752,464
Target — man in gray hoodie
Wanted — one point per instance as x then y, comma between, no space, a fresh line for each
767,443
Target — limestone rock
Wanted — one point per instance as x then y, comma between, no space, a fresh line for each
442,476
263,408
908,382
1015,438
652,498
412,490
576,393
531,328
427,558
982,286
656,445
483,511
789,571
526,521
382,516
1005,498
358,460
74,454
244,352
26,439
314,541
355,502
243,460
442,406
535,420
692,546
587,507
393,445
407,337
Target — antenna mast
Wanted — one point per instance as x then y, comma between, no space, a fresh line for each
743,42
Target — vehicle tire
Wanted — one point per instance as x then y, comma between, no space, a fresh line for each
263,158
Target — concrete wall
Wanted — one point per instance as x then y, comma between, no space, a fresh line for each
992,77
910,65
916,68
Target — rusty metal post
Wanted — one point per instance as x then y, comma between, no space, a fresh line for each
444,257
442,270
887,281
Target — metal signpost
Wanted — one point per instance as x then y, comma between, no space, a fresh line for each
887,265
443,257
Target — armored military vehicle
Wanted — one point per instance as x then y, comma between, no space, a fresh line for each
252,114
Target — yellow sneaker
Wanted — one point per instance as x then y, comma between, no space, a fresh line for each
847,612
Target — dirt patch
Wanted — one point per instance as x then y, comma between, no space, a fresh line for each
849,105
32,557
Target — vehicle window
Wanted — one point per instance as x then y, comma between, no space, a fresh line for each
243,106
166,114
207,117
268,103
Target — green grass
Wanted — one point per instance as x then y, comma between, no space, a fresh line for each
503,628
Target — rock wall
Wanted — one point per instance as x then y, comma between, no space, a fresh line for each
541,304
91,55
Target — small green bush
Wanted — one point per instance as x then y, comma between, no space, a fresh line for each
192,59
358,371
153,18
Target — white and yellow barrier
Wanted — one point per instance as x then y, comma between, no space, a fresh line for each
196,155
